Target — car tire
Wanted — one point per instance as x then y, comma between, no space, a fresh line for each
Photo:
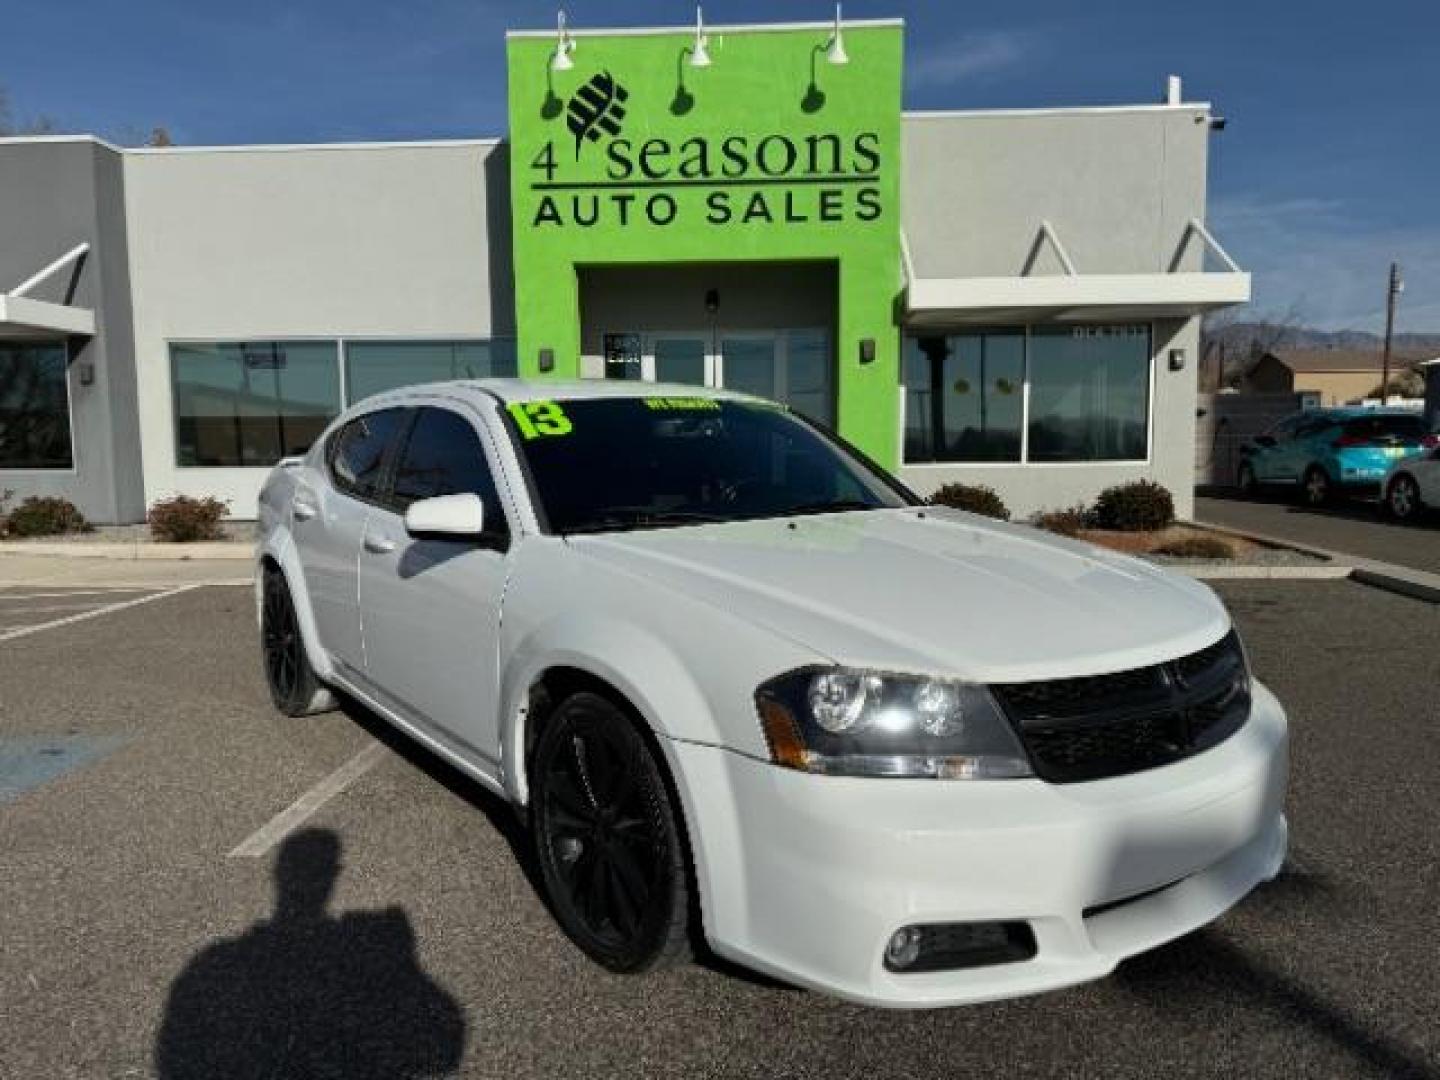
1315,487
1249,483
1402,498
294,687
608,839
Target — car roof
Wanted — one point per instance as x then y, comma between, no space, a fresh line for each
508,390
1353,412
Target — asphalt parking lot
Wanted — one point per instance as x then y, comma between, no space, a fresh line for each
1352,526
141,931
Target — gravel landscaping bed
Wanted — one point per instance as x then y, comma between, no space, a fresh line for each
237,531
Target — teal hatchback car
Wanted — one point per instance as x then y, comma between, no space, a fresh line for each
1324,452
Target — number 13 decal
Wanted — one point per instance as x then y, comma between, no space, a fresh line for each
537,418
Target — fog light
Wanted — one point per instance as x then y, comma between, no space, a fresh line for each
903,948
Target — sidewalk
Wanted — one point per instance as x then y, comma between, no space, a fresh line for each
68,569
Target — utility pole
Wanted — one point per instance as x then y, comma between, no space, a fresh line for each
1391,296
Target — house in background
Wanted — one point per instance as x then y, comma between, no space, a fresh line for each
1339,376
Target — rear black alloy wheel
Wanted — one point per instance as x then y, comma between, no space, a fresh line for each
607,839
1403,498
1315,488
294,687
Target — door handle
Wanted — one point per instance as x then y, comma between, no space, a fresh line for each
379,545
303,511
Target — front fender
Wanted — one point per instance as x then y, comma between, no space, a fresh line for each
278,545
637,662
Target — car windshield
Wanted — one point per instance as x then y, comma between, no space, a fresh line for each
614,464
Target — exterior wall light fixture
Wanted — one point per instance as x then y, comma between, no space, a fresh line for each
700,53
564,46
867,350
547,360
835,47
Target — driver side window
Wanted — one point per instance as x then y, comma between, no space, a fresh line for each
444,456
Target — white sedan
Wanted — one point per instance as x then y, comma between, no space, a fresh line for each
1412,485
744,686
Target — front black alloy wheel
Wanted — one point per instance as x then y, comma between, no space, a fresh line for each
607,838
294,687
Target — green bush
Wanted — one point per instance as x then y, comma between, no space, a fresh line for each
183,520
1067,522
1197,546
1140,506
976,498
45,516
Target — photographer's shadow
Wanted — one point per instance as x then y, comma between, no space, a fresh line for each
305,994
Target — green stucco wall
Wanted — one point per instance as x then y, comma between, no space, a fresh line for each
771,153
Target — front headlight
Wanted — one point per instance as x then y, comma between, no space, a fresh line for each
846,722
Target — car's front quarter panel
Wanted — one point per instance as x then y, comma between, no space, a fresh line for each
275,543
689,668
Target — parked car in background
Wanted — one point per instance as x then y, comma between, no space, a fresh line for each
740,682
1412,486
1321,453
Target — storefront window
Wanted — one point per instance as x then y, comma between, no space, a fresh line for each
375,366
964,396
252,403
1089,389
1089,393
34,407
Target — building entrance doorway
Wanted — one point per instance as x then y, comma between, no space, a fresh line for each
790,365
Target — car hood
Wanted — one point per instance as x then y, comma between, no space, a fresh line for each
933,590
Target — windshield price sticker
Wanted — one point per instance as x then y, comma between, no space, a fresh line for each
536,419
682,404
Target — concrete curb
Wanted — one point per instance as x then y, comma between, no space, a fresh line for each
80,549
1231,572
1402,580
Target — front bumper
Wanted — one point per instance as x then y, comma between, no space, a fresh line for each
806,877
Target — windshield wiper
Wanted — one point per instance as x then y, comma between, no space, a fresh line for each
828,506
637,518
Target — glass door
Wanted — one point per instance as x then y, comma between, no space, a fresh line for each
680,358
790,366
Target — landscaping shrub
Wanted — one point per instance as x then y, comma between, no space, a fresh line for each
1197,546
183,520
43,516
1067,522
976,498
1140,506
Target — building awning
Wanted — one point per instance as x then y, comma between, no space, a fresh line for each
21,316
1073,296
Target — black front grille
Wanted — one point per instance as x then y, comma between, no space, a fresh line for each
1096,726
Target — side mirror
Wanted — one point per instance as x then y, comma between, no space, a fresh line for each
446,515
1266,441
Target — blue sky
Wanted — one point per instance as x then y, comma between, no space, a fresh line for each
1329,168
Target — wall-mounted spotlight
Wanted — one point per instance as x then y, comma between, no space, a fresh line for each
564,46
835,47
700,54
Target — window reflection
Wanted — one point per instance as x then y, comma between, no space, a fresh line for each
34,407
252,403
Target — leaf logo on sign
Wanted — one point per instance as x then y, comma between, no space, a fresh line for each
598,106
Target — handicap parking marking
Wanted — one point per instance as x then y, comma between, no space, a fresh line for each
7,635
28,761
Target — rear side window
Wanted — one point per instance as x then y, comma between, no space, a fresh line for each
357,452
443,456
1403,429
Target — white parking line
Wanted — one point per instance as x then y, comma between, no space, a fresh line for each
294,815
11,635
70,592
